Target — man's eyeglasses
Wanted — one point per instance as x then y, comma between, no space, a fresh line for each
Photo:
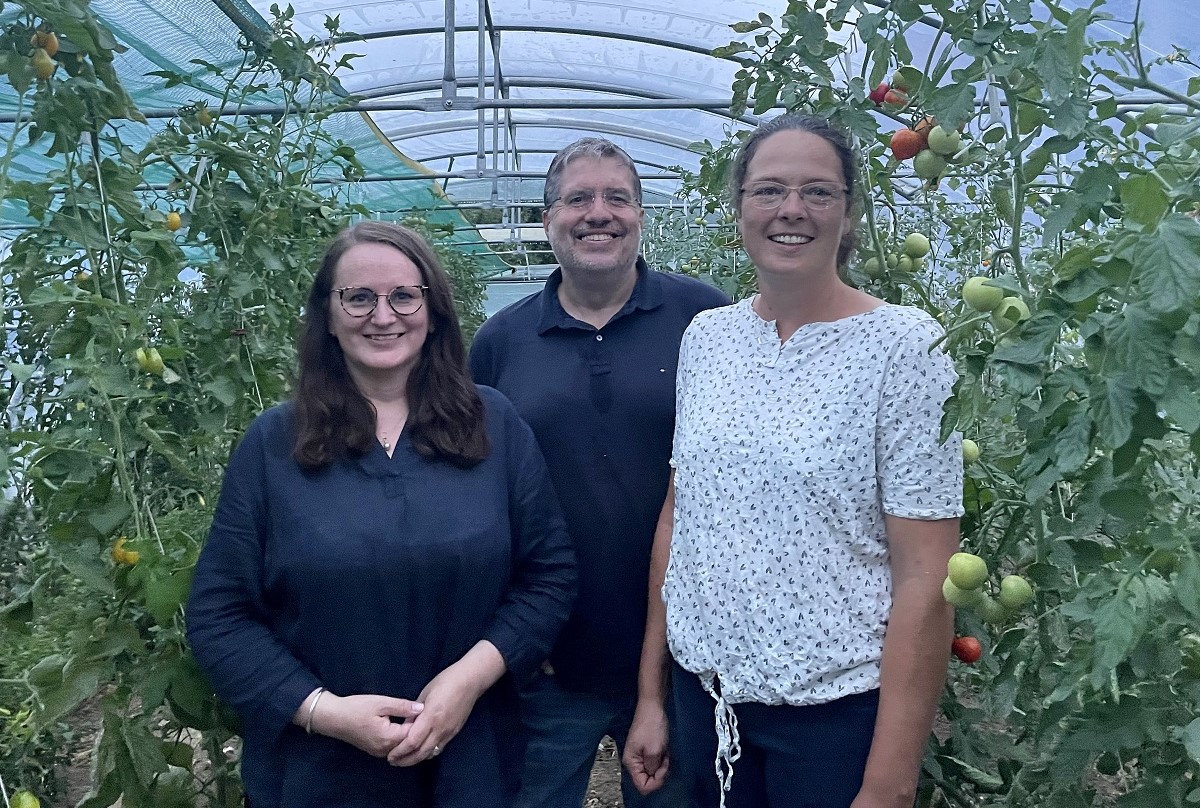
582,200
358,301
814,195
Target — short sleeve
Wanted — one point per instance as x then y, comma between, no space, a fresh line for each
920,477
683,374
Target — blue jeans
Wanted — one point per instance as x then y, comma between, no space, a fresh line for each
792,757
563,730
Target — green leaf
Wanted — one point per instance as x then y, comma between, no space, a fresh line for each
1036,337
1131,504
952,103
223,390
1180,402
145,750
1142,345
1023,379
1057,71
1076,38
1190,737
1144,198
1073,443
110,517
77,682
86,563
20,371
1088,283
766,93
1168,134
1187,584
1070,115
1118,628
165,594
1113,405
1165,263
971,773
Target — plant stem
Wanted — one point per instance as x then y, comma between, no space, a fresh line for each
1018,187
122,467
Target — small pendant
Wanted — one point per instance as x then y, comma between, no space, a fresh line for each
387,447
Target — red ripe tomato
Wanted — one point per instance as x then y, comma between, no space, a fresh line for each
905,144
967,649
879,92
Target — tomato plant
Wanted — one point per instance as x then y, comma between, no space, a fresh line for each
1082,383
152,302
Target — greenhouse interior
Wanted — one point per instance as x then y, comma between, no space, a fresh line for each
173,172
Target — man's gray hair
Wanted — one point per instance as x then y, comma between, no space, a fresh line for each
597,147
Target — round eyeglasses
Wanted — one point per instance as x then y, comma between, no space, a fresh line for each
814,195
359,301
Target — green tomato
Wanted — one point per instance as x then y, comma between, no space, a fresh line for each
944,142
23,799
906,78
960,597
966,570
154,362
873,267
970,451
1015,592
929,166
991,611
981,295
1012,310
905,264
916,245
143,359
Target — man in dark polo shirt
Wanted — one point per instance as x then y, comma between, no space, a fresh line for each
590,364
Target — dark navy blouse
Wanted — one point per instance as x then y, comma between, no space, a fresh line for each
372,575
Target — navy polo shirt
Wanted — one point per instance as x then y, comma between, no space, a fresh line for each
601,402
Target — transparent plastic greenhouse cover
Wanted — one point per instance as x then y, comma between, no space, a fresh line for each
547,72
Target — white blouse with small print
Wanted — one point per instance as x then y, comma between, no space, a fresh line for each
787,456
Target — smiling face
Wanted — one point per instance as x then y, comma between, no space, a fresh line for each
597,237
382,345
794,239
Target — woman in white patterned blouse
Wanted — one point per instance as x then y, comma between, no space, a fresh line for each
804,539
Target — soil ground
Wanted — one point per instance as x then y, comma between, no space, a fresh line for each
604,790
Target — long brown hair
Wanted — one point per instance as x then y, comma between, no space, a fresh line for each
446,417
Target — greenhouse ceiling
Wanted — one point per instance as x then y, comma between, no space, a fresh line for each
469,99
502,84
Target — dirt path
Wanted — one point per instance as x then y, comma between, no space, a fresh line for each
604,789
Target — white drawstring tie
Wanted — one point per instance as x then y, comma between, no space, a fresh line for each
729,747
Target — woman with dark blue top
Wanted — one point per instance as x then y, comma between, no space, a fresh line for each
386,558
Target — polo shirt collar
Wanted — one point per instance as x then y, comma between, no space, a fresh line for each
647,294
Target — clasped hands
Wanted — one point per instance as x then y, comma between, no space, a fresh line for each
425,726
